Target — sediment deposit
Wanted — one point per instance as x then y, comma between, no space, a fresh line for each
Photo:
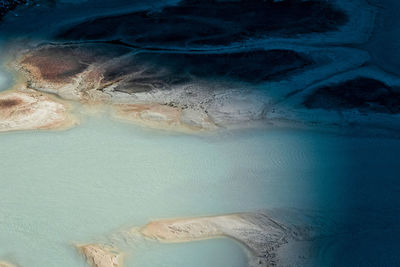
30,110
101,256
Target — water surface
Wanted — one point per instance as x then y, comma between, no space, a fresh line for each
76,186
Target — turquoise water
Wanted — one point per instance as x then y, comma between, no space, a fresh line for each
219,252
77,186
5,80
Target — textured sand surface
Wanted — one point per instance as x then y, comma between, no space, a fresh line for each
260,233
30,110
101,256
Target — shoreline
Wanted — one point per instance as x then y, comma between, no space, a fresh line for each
200,106
169,118
267,238
100,256
257,232
30,110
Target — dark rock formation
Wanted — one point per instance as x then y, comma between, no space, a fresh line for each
194,22
10,5
144,71
252,66
365,94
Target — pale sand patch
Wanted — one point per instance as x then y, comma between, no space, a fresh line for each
258,232
164,117
101,256
29,110
6,264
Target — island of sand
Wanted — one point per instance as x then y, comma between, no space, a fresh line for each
270,238
30,110
265,237
100,256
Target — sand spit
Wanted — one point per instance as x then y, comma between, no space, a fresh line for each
29,110
270,238
100,256
264,237
164,117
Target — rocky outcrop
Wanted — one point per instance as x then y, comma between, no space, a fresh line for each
7,6
195,23
362,93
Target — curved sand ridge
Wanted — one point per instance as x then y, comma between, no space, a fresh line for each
262,235
271,239
28,110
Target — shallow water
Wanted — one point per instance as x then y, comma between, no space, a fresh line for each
75,186
5,80
218,252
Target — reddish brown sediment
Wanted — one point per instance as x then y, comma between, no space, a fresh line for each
67,71
8,103
63,69
56,64
29,110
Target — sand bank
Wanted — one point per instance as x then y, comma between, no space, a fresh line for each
270,238
101,256
263,236
30,110
163,117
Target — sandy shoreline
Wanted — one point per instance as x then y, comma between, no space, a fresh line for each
262,234
269,238
30,110
101,256
22,108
